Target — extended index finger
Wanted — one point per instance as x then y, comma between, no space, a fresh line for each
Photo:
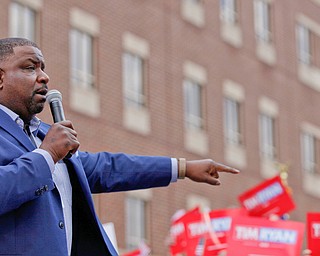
225,168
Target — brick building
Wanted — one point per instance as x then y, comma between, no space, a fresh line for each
233,80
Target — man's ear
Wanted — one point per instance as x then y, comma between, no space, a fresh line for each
1,78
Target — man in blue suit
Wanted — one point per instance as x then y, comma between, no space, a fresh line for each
45,199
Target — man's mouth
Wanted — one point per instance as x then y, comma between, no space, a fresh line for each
42,91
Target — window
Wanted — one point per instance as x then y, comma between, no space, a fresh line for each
232,121
228,11
308,45
193,87
136,114
234,147
265,48
308,51
310,141
81,59
267,137
133,82
309,152
193,12
304,49
22,21
230,28
135,221
193,105
85,30
262,11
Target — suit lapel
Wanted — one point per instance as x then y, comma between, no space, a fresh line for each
79,176
87,229
11,128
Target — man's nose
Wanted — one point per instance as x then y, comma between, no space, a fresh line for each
43,77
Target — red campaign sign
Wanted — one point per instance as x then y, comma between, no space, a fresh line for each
207,232
263,237
313,232
178,234
133,253
269,197
143,250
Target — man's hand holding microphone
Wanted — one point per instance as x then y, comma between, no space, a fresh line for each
61,140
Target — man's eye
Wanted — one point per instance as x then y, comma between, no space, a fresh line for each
31,68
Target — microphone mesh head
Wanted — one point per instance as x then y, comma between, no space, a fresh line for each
53,95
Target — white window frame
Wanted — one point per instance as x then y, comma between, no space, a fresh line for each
196,2
267,123
304,45
133,80
267,136
136,114
195,134
307,38
22,21
136,221
82,59
228,11
230,28
262,20
193,105
234,148
232,121
309,147
82,75
308,152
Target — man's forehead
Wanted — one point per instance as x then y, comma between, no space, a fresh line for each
28,51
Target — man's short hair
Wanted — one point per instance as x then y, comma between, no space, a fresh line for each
7,45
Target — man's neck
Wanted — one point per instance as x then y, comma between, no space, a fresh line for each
15,115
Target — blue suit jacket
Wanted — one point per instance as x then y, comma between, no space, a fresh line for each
31,217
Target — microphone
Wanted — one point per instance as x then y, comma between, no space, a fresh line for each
54,98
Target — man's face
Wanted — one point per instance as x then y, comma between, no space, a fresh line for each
23,82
